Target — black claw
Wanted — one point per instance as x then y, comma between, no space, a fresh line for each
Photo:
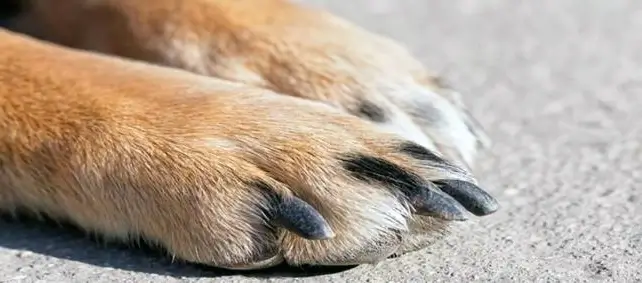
425,197
431,203
473,198
301,218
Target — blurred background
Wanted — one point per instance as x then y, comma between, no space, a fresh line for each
557,85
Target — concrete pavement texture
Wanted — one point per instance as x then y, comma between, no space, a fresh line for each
558,86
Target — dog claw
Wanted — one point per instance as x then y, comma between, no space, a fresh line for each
302,219
470,196
432,203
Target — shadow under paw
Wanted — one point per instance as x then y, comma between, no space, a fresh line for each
45,236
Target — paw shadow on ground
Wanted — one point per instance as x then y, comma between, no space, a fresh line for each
64,241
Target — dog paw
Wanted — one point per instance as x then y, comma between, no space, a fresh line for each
279,179
216,172
278,45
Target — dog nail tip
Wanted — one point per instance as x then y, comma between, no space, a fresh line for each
431,203
486,209
302,219
473,198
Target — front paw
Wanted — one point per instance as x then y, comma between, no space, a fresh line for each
315,55
299,182
277,45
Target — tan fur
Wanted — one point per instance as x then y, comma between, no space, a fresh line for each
128,148
272,44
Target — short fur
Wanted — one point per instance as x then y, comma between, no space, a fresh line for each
158,118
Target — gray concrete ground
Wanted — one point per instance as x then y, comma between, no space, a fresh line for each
558,84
